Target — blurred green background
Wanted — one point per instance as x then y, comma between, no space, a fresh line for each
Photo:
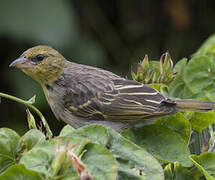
113,34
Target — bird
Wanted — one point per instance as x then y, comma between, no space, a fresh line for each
80,94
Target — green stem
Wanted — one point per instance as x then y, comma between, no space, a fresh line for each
26,103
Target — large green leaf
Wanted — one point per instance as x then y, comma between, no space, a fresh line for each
10,147
208,47
39,158
199,121
138,158
66,130
96,133
205,163
178,88
19,172
98,160
178,123
126,172
162,142
32,138
122,149
199,76
195,79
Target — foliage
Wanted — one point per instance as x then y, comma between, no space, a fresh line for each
152,152
153,72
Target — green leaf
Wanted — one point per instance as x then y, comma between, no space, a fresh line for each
179,67
72,176
95,132
99,134
66,131
32,100
177,87
10,148
32,138
199,121
122,149
138,158
98,160
178,123
176,171
19,172
205,163
158,86
207,47
199,76
162,142
40,157
127,174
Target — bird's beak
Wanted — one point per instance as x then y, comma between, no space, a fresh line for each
21,62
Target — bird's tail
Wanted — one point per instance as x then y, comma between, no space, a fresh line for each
195,105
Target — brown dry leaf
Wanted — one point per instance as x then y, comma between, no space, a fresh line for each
79,166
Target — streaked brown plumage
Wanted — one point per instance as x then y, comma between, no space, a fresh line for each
80,94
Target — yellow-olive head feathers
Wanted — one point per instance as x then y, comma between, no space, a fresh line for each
42,63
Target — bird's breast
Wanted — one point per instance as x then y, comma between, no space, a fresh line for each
53,96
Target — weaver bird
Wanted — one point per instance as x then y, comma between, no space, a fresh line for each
80,94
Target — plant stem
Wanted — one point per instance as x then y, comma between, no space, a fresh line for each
26,103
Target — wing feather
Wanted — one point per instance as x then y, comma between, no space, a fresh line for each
108,97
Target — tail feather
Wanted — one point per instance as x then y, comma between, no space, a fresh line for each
195,105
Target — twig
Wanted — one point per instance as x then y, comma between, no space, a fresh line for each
29,104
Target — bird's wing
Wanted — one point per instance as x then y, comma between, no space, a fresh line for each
116,100
132,101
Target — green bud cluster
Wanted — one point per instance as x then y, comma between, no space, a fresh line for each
150,72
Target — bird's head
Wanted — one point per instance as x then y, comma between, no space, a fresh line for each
42,63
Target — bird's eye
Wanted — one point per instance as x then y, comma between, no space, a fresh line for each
40,57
